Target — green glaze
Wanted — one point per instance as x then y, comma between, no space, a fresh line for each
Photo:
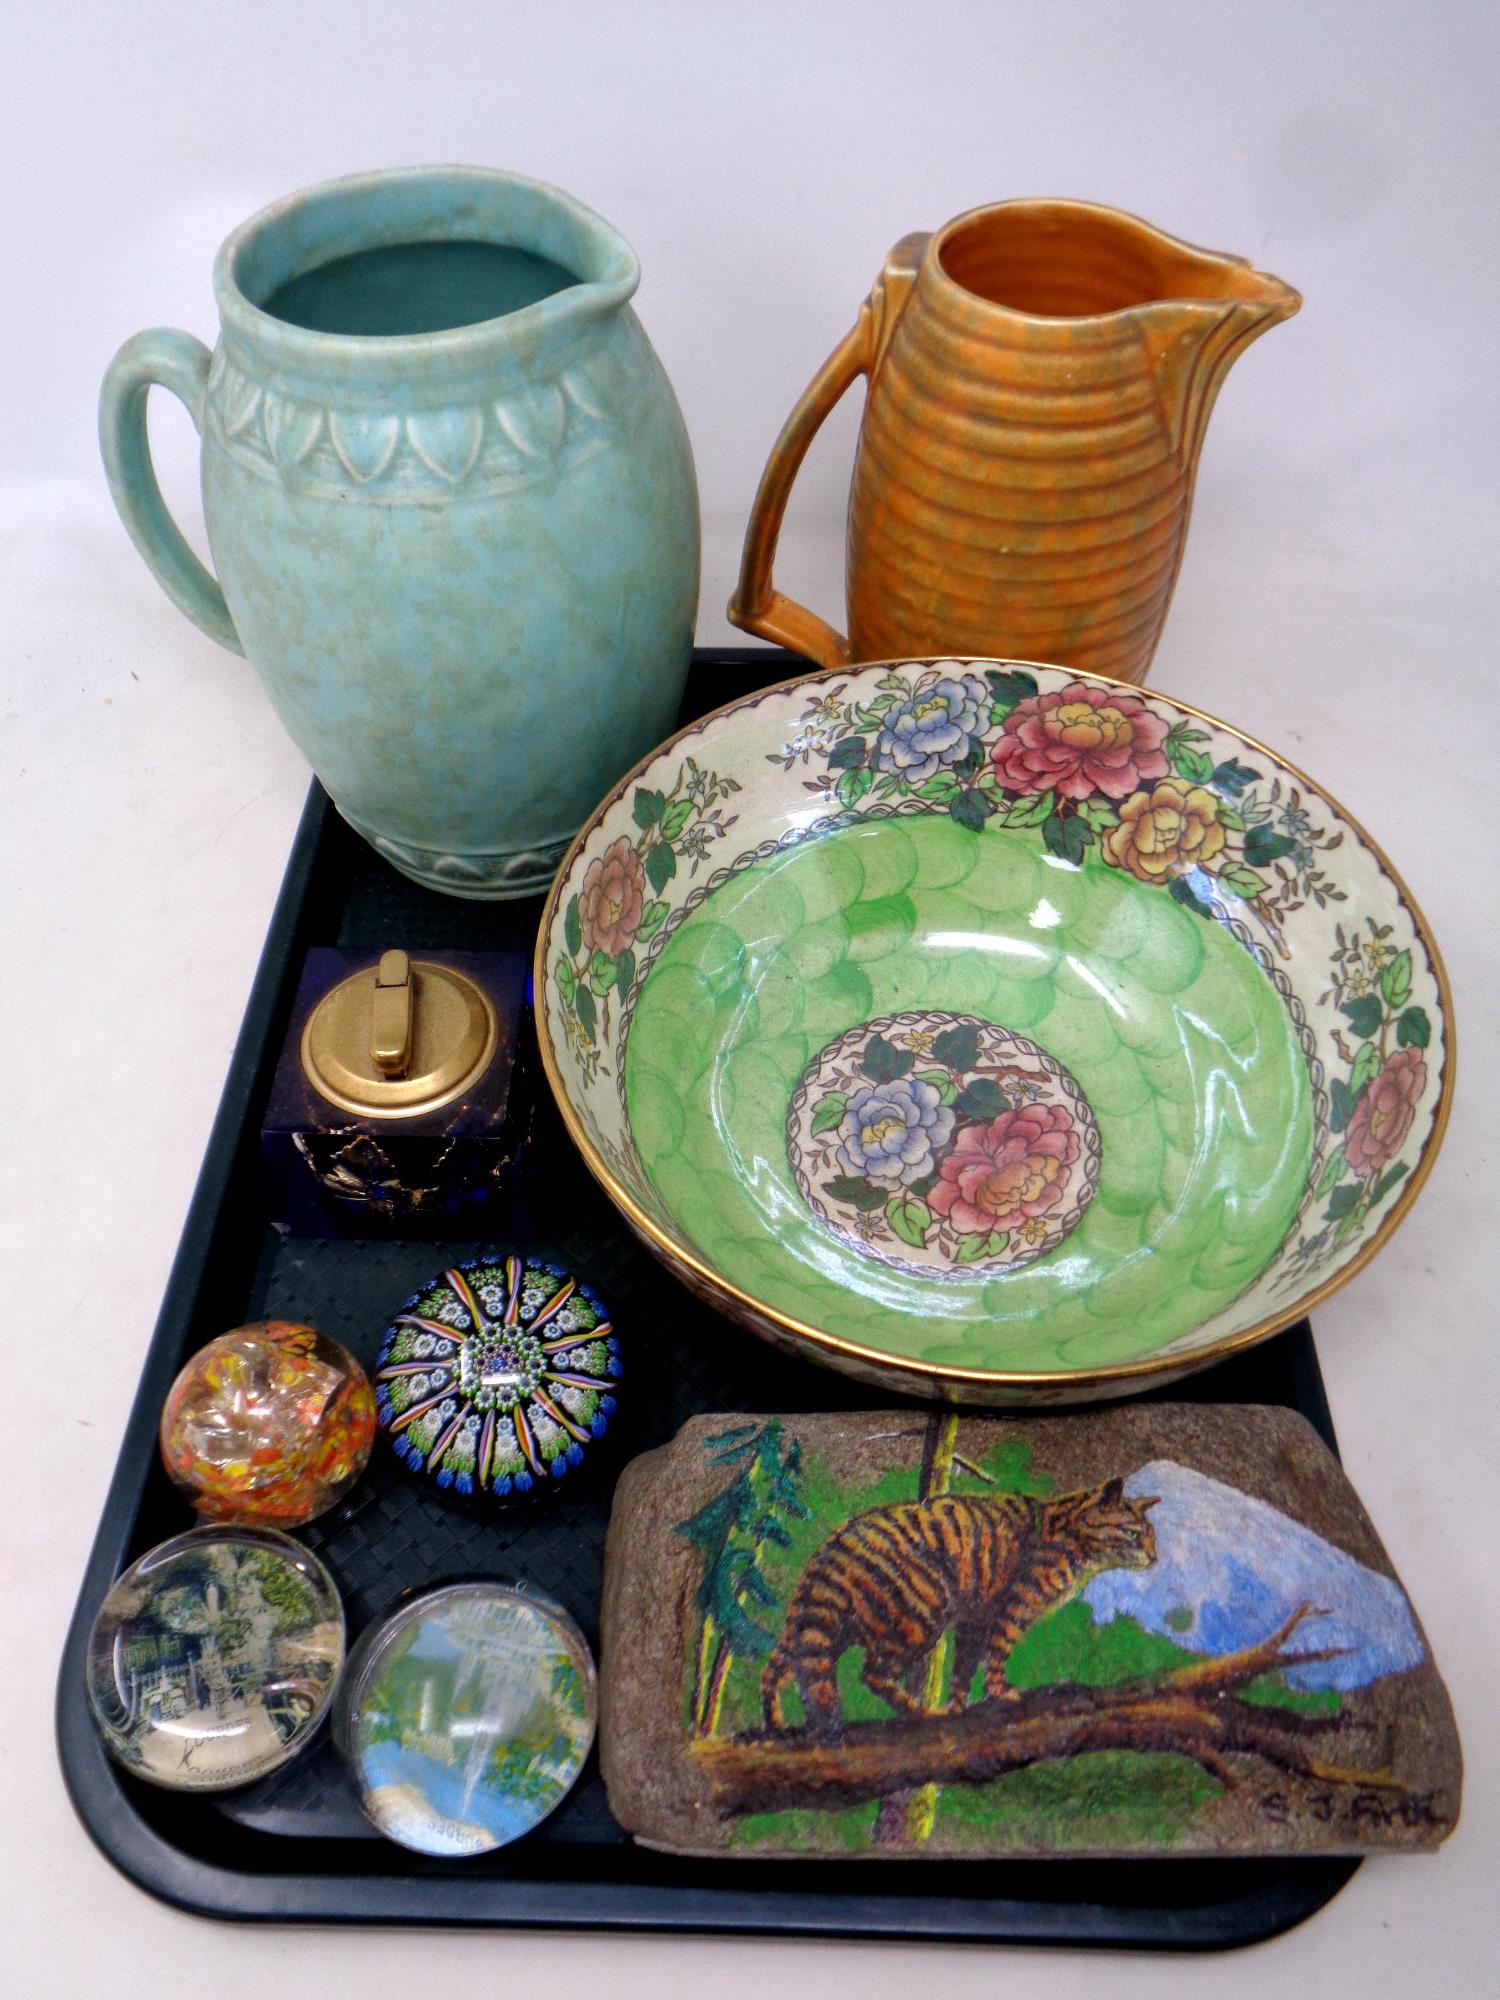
451,506
416,288
1180,1045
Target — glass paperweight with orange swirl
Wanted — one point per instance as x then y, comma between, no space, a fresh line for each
270,1424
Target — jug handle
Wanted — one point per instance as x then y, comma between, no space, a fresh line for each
178,362
757,606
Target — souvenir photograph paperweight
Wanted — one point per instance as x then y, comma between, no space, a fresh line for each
466,1716
214,1657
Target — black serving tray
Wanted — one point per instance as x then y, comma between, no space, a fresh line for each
295,1847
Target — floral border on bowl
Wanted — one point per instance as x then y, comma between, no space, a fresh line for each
1093,769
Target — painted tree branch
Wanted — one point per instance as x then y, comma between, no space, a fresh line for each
1193,1711
1233,1670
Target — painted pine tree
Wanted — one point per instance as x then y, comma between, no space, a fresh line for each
732,1533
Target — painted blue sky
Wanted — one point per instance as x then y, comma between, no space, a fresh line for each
1229,1569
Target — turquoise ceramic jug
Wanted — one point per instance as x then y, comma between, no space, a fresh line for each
450,503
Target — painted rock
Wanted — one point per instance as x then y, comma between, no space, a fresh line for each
496,1377
1167,1629
269,1424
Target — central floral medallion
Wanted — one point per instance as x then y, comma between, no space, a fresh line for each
943,1143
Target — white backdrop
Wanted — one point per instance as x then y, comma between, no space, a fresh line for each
1337,599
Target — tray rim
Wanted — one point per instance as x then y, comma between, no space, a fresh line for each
1263,1896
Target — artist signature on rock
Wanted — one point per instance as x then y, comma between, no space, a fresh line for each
1369,1809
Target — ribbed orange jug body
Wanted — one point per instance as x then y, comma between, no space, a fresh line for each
1040,377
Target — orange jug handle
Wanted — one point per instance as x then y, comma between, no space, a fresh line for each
757,606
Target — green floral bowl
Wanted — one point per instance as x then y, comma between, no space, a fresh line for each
993,1033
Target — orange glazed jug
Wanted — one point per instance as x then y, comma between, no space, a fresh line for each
1040,378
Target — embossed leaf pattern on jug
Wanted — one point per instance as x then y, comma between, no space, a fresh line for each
318,450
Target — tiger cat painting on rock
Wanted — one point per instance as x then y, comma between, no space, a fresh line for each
1156,1629
895,1579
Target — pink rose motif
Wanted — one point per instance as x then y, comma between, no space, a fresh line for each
1085,739
1382,1118
1004,1173
612,898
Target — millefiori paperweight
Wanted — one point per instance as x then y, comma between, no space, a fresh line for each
495,1379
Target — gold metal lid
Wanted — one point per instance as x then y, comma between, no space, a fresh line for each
400,1038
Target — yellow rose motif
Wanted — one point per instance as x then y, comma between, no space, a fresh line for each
1165,831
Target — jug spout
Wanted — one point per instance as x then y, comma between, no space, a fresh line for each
1194,341
1073,273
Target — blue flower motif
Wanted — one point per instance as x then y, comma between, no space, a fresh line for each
932,730
891,1132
